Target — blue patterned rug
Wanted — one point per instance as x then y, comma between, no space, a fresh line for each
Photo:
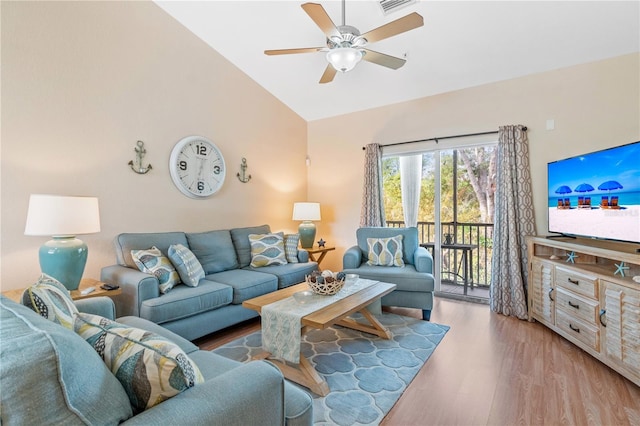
366,374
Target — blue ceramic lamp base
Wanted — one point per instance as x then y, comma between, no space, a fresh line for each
64,259
307,231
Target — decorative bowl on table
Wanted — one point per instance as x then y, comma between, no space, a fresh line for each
303,296
325,284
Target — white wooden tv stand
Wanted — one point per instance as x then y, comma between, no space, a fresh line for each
586,301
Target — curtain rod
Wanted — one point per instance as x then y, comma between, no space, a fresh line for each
444,137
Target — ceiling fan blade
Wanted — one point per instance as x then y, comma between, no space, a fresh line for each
399,26
382,59
329,73
317,13
290,51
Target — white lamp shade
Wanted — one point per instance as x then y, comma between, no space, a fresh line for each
58,216
344,59
306,211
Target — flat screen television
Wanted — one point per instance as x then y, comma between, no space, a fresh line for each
597,195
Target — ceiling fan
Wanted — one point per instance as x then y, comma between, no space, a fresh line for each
345,45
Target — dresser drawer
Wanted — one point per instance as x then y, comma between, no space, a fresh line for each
578,329
584,284
577,306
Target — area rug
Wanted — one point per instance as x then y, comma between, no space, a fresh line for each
366,374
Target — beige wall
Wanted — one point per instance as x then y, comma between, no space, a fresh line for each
83,81
594,106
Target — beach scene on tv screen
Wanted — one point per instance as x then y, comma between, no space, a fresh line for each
597,194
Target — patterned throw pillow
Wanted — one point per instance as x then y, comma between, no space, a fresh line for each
150,368
385,251
291,247
188,266
153,262
267,249
49,298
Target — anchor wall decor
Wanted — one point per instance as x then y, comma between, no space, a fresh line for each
242,175
137,166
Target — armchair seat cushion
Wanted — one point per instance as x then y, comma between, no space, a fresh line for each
183,301
405,279
246,285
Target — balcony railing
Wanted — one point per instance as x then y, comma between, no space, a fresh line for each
480,234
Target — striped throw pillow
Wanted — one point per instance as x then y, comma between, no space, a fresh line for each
291,247
188,266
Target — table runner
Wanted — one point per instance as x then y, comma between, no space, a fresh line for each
281,320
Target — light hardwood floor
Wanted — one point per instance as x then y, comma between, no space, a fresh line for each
497,370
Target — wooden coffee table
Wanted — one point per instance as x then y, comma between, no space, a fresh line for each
335,313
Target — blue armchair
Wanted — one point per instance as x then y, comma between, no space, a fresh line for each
414,281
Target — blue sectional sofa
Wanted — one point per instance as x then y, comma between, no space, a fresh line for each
216,303
51,375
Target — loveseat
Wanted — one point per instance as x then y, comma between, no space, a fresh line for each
413,279
216,302
51,375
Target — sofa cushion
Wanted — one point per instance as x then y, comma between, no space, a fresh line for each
185,302
385,251
267,249
50,299
126,242
289,274
214,250
246,284
50,375
291,247
240,237
153,262
188,266
151,368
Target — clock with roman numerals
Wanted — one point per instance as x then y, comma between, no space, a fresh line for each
197,167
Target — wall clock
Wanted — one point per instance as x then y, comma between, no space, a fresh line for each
197,167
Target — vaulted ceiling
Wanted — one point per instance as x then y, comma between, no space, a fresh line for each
462,44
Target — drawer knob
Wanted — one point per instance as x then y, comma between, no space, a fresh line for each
576,282
573,305
576,329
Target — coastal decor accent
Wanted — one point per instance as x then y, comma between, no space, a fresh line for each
366,374
620,268
137,165
242,174
571,257
62,217
306,212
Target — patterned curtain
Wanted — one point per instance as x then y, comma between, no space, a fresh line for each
410,179
372,211
514,220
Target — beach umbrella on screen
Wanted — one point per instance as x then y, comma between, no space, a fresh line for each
564,189
584,187
610,185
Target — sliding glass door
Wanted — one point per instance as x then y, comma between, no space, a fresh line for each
455,214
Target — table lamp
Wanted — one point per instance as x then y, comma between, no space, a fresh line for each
63,257
306,212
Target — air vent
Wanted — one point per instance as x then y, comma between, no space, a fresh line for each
389,6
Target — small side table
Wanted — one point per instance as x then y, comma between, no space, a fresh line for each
315,250
15,295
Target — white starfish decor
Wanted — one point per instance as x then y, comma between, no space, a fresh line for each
571,257
620,269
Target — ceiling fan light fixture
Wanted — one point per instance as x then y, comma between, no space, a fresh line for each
344,59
